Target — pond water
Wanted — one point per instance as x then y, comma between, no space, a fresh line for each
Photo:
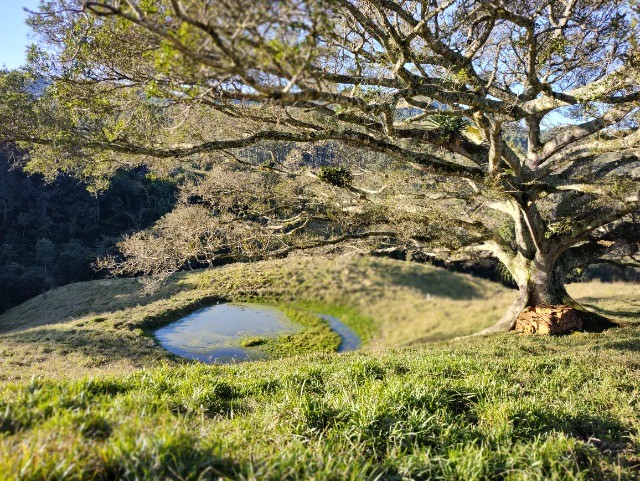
212,335
350,340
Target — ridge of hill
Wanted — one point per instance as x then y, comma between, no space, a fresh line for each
104,325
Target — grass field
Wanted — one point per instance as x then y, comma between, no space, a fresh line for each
505,406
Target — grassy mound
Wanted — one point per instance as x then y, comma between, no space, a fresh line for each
504,406
104,326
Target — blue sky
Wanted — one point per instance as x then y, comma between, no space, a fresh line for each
14,33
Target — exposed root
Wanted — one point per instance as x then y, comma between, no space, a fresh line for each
590,321
544,319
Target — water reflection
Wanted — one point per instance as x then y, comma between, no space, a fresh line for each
213,334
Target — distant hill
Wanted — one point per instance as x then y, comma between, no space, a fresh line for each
50,233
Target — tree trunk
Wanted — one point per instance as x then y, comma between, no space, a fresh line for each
541,282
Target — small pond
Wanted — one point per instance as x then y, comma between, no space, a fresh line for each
213,334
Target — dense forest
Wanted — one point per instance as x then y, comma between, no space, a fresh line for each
51,233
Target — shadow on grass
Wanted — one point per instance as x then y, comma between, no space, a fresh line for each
98,346
177,457
613,313
436,282
602,431
595,322
631,342
147,321
633,345
67,303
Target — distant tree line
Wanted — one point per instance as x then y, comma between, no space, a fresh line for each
51,233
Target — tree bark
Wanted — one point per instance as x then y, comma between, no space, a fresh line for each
541,282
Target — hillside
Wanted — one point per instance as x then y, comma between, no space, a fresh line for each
500,407
102,326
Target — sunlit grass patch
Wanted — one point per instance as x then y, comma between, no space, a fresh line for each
107,402
445,411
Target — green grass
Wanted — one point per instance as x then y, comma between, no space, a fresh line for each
253,341
315,336
504,406
363,326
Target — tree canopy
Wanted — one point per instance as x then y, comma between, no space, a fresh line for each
465,125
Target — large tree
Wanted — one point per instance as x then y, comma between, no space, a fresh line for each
508,127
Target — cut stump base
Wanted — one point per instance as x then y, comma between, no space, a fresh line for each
549,320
